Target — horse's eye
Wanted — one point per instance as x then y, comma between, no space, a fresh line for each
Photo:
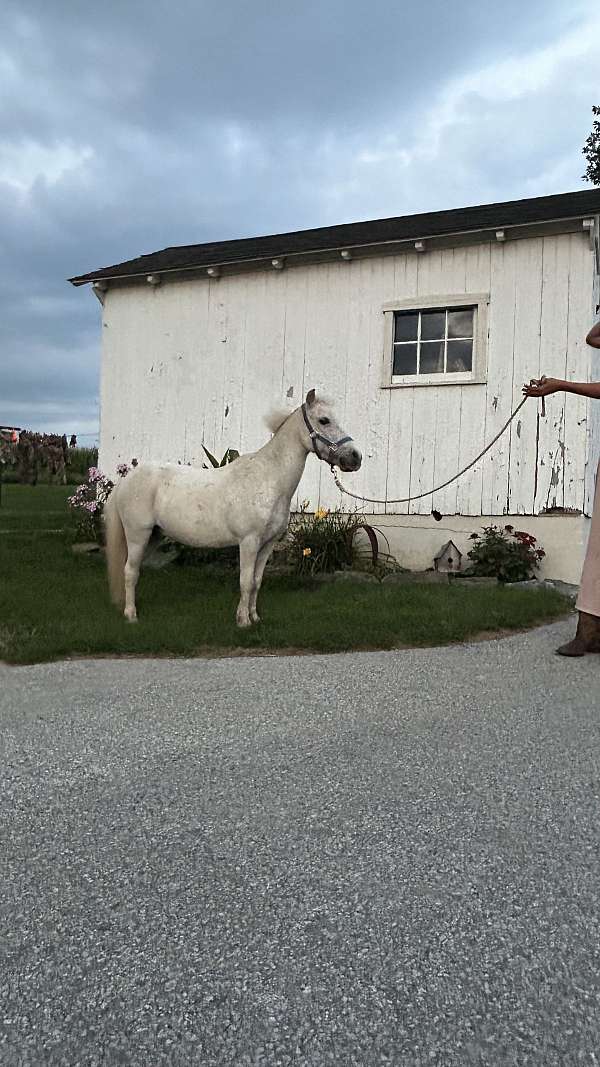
324,422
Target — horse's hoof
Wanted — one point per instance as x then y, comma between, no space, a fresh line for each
255,619
243,624
131,618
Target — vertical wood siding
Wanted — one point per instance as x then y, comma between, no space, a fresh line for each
201,361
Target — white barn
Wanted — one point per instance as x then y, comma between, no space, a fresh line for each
422,329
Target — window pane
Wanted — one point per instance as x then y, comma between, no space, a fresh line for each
460,356
460,323
405,359
432,357
406,325
433,325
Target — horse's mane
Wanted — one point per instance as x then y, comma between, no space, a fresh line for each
276,418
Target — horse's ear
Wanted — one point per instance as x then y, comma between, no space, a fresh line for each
310,398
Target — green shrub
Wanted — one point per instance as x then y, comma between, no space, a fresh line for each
79,461
324,541
507,554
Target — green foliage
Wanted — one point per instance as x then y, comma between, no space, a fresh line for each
591,151
324,542
79,461
507,554
230,455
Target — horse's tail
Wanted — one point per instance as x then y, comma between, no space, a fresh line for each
116,550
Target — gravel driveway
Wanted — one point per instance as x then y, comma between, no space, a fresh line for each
382,858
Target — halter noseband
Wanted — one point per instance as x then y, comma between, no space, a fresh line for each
314,436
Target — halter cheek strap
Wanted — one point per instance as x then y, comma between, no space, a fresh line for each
314,436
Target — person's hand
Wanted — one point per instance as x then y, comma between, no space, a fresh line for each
542,386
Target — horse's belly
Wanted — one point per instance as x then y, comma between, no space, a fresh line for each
198,522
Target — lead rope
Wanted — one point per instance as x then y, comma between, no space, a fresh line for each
419,496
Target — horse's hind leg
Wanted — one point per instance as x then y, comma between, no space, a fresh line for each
136,546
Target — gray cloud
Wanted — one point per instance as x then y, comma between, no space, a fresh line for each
135,126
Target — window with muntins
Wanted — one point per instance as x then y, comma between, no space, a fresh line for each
433,341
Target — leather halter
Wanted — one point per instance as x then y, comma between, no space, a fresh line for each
315,436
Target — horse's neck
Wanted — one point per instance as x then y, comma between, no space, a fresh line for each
288,455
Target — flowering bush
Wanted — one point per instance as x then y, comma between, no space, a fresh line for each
89,499
325,541
507,554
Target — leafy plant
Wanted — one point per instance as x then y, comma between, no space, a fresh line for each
324,542
230,455
507,554
591,151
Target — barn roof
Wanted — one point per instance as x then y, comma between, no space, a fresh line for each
360,236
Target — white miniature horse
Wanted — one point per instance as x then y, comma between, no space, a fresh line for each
245,503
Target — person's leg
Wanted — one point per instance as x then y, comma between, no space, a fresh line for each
587,638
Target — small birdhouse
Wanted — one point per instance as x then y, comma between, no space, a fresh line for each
448,558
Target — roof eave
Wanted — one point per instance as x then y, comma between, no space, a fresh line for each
366,248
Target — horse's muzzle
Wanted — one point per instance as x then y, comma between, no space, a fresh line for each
350,460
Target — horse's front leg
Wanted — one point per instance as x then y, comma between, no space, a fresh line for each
248,554
261,561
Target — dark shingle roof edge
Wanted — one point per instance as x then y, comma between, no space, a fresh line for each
539,209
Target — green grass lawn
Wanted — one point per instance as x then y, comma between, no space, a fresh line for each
54,604
40,507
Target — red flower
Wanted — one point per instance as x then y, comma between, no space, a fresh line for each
525,538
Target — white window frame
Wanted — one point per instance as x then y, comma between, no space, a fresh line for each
478,373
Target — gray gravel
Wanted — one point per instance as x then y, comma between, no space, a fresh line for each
387,858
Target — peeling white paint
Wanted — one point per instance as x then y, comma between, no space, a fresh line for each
201,361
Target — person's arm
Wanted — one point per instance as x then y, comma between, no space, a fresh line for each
593,337
546,386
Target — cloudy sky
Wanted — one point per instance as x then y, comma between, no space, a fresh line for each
129,126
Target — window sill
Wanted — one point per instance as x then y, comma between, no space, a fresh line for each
427,383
